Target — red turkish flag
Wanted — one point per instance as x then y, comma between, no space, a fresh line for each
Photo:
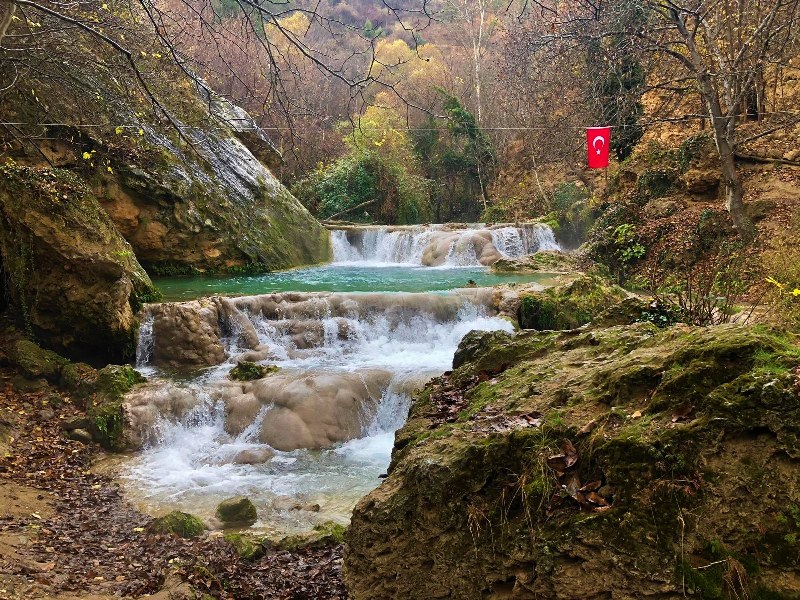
598,140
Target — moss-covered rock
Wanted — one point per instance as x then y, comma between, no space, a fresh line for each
35,362
667,482
541,262
568,306
178,523
247,546
250,371
105,407
236,512
328,533
74,282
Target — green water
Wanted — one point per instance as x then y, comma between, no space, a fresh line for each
336,278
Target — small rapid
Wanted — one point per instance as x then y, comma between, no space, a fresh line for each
438,245
304,443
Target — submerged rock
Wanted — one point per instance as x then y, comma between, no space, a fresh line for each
629,462
250,371
236,511
73,279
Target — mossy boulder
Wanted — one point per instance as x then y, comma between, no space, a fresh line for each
568,306
629,461
328,533
540,262
250,371
237,512
105,407
35,362
247,546
178,523
73,281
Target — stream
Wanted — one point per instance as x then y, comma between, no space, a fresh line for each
352,341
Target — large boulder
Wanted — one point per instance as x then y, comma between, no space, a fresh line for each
627,462
72,278
183,183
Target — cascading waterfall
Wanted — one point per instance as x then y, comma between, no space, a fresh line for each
437,245
367,351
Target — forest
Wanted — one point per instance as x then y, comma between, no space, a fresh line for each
400,299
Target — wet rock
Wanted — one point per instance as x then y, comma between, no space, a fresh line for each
144,406
34,362
75,280
310,507
76,423
309,410
236,512
256,456
81,435
105,411
188,334
178,523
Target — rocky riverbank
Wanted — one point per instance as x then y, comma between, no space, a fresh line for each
67,533
625,462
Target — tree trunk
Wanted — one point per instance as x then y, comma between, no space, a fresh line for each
723,137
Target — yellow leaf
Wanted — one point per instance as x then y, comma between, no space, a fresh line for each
141,131
795,292
86,156
105,6
110,170
119,130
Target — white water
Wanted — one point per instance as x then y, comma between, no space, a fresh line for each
190,464
389,246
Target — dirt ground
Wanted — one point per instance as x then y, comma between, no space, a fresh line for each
67,532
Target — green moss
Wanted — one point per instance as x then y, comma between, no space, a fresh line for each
324,534
250,371
35,362
247,546
178,523
569,306
105,409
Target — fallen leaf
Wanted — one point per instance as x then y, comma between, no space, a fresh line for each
636,414
682,413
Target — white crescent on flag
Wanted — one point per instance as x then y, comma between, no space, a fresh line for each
602,143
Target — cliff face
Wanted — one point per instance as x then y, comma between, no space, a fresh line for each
624,462
180,179
72,279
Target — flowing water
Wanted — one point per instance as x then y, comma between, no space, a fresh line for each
362,353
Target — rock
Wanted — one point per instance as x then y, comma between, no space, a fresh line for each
541,262
75,281
568,306
325,534
481,504
793,155
702,182
247,546
47,414
236,512
105,410
627,312
76,423
188,334
146,405
81,435
310,507
35,362
306,410
178,523
256,456
249,371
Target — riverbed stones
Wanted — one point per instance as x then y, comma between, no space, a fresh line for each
238,511
255,456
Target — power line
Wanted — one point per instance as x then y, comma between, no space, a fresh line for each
683,118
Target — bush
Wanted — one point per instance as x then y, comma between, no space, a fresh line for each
397,196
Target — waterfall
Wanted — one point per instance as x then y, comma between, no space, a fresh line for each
146,342
348,362
438,245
